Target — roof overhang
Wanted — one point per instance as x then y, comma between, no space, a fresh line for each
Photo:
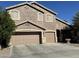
40,5
16,5
31,22
29,3
62,21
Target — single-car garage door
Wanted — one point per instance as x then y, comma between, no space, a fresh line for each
26,38
50,37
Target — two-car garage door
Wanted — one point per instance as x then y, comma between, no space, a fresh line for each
26,38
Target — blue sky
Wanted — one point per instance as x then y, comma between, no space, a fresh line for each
65,9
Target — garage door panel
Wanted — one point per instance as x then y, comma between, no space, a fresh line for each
25,39
50,37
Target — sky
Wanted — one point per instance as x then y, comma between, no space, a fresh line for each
65,9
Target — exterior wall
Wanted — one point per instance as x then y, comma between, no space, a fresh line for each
26,13
48,25
55,24
59,25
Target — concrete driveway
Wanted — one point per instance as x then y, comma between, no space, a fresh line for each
55,50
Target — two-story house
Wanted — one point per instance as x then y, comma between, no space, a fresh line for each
35,23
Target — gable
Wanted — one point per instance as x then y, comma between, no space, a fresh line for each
25,12
29,25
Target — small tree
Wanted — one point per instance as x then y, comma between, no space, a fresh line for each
75,29
7,26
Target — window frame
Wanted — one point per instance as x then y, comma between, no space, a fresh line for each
38,15
47,18
16,17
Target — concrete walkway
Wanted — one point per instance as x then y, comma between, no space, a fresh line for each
55,50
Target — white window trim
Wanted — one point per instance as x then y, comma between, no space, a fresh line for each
18,14
39,17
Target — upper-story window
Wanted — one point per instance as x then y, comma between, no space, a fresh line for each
40,16
49,18
15,14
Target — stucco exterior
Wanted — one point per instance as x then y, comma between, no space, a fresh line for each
29,12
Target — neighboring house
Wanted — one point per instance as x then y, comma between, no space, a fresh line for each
35,24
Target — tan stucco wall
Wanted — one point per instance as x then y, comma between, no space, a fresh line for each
26,13
48,25
60,25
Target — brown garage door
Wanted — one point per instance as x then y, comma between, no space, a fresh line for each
26,38
50,37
